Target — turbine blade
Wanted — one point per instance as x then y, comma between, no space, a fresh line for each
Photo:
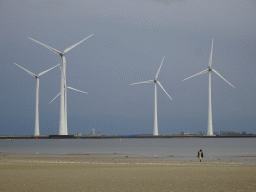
55,97
71,47
149,81
222,77
76,90
32,74
47,70
52,49
159,68
210,59
163,89
200,73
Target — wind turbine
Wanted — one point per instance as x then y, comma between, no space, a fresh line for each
63,129
209,70
36,133
155,82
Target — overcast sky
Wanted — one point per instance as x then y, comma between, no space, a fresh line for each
130,39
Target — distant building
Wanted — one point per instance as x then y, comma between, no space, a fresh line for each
216,133
232,133
243,132
199,133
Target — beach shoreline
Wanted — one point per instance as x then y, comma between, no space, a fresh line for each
122,172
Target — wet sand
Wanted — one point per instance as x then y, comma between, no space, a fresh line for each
120,172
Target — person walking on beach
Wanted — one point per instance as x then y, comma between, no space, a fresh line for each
200,155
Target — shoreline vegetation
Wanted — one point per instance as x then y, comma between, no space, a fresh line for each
122,172
118,136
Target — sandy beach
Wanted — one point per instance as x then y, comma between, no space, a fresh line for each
120,172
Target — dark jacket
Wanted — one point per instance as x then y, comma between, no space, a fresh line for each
201,153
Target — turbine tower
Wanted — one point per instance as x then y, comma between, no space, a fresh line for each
63,129
209,70
36,133
155,83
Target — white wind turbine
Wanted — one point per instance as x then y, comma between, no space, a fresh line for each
36,133
63,129
209,70
155,82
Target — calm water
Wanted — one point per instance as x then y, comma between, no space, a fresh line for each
212,148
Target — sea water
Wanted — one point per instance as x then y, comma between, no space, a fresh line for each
177,147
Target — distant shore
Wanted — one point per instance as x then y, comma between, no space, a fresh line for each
121,172
118,136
